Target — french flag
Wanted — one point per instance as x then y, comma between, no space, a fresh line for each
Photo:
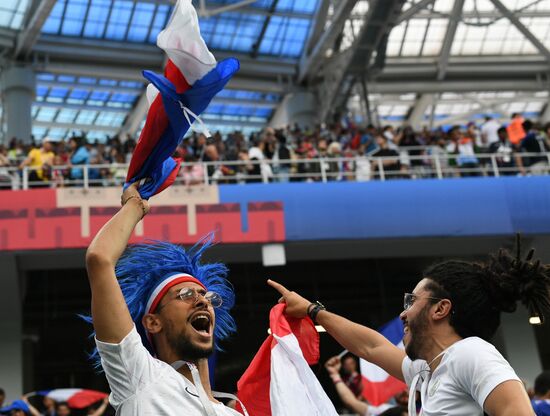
75,398
379,386
192,77
278,381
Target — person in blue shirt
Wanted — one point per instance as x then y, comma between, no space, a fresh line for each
79,156
541,403
17,408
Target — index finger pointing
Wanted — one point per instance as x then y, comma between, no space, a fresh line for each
278,287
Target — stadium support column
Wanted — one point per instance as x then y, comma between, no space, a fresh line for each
545,115
521,345
18,89
11,328
297,107
416,116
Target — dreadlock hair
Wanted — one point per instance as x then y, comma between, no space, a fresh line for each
143,266
480,291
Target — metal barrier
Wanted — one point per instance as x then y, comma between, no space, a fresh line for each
323,169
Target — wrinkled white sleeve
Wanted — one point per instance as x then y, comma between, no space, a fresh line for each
128,366
480,369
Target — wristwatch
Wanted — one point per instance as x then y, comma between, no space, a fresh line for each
313,309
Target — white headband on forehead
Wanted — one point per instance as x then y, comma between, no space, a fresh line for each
166,284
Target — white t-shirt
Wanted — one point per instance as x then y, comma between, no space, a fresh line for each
142,385
490,131
469,370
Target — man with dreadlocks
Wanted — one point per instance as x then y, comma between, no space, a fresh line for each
449,319
156,326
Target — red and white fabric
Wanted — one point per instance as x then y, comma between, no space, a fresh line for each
378,385
75,398
278,381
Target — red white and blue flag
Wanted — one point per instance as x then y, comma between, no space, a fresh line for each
278,381
191,79
378,385
75,398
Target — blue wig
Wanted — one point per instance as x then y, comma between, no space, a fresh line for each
144,266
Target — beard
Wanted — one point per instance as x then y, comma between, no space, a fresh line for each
185,349
417,330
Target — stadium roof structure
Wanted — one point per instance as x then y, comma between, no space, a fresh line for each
417,61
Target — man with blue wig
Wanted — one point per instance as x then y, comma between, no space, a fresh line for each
157,324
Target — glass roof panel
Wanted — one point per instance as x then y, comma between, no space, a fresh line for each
12,13
232,31
120,20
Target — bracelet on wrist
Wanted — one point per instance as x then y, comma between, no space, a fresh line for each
140,202
338,380
313,309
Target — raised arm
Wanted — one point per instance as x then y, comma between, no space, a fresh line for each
110,315
358,339
101,409
34,411
346,395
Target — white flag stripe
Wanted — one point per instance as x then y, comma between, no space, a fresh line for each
294,390
373,372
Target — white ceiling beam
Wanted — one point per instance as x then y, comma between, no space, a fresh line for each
413,10
28,36
521,27
309,63
454,18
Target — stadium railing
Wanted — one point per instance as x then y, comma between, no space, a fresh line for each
321,169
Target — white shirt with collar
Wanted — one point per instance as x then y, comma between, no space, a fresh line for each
469,371
145,386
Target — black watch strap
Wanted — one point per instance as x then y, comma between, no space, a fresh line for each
313,309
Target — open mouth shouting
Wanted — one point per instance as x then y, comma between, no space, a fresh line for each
202,323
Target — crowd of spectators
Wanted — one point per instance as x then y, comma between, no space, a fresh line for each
335,152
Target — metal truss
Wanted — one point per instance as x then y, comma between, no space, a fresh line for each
342,71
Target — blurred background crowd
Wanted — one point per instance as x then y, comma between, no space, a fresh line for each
335,152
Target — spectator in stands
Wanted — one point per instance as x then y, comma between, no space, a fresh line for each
257,155
62,409
118,171
534,142
408,139
49,406
40,161
16,408
79,155
439,157
351,376
2,397
336,167
463,147
508,162
199,146
191,171
475,134
7,178
248,172
15,151
362,166
350,400
489,131
391,163
516,131
100,410
541,402
282,153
